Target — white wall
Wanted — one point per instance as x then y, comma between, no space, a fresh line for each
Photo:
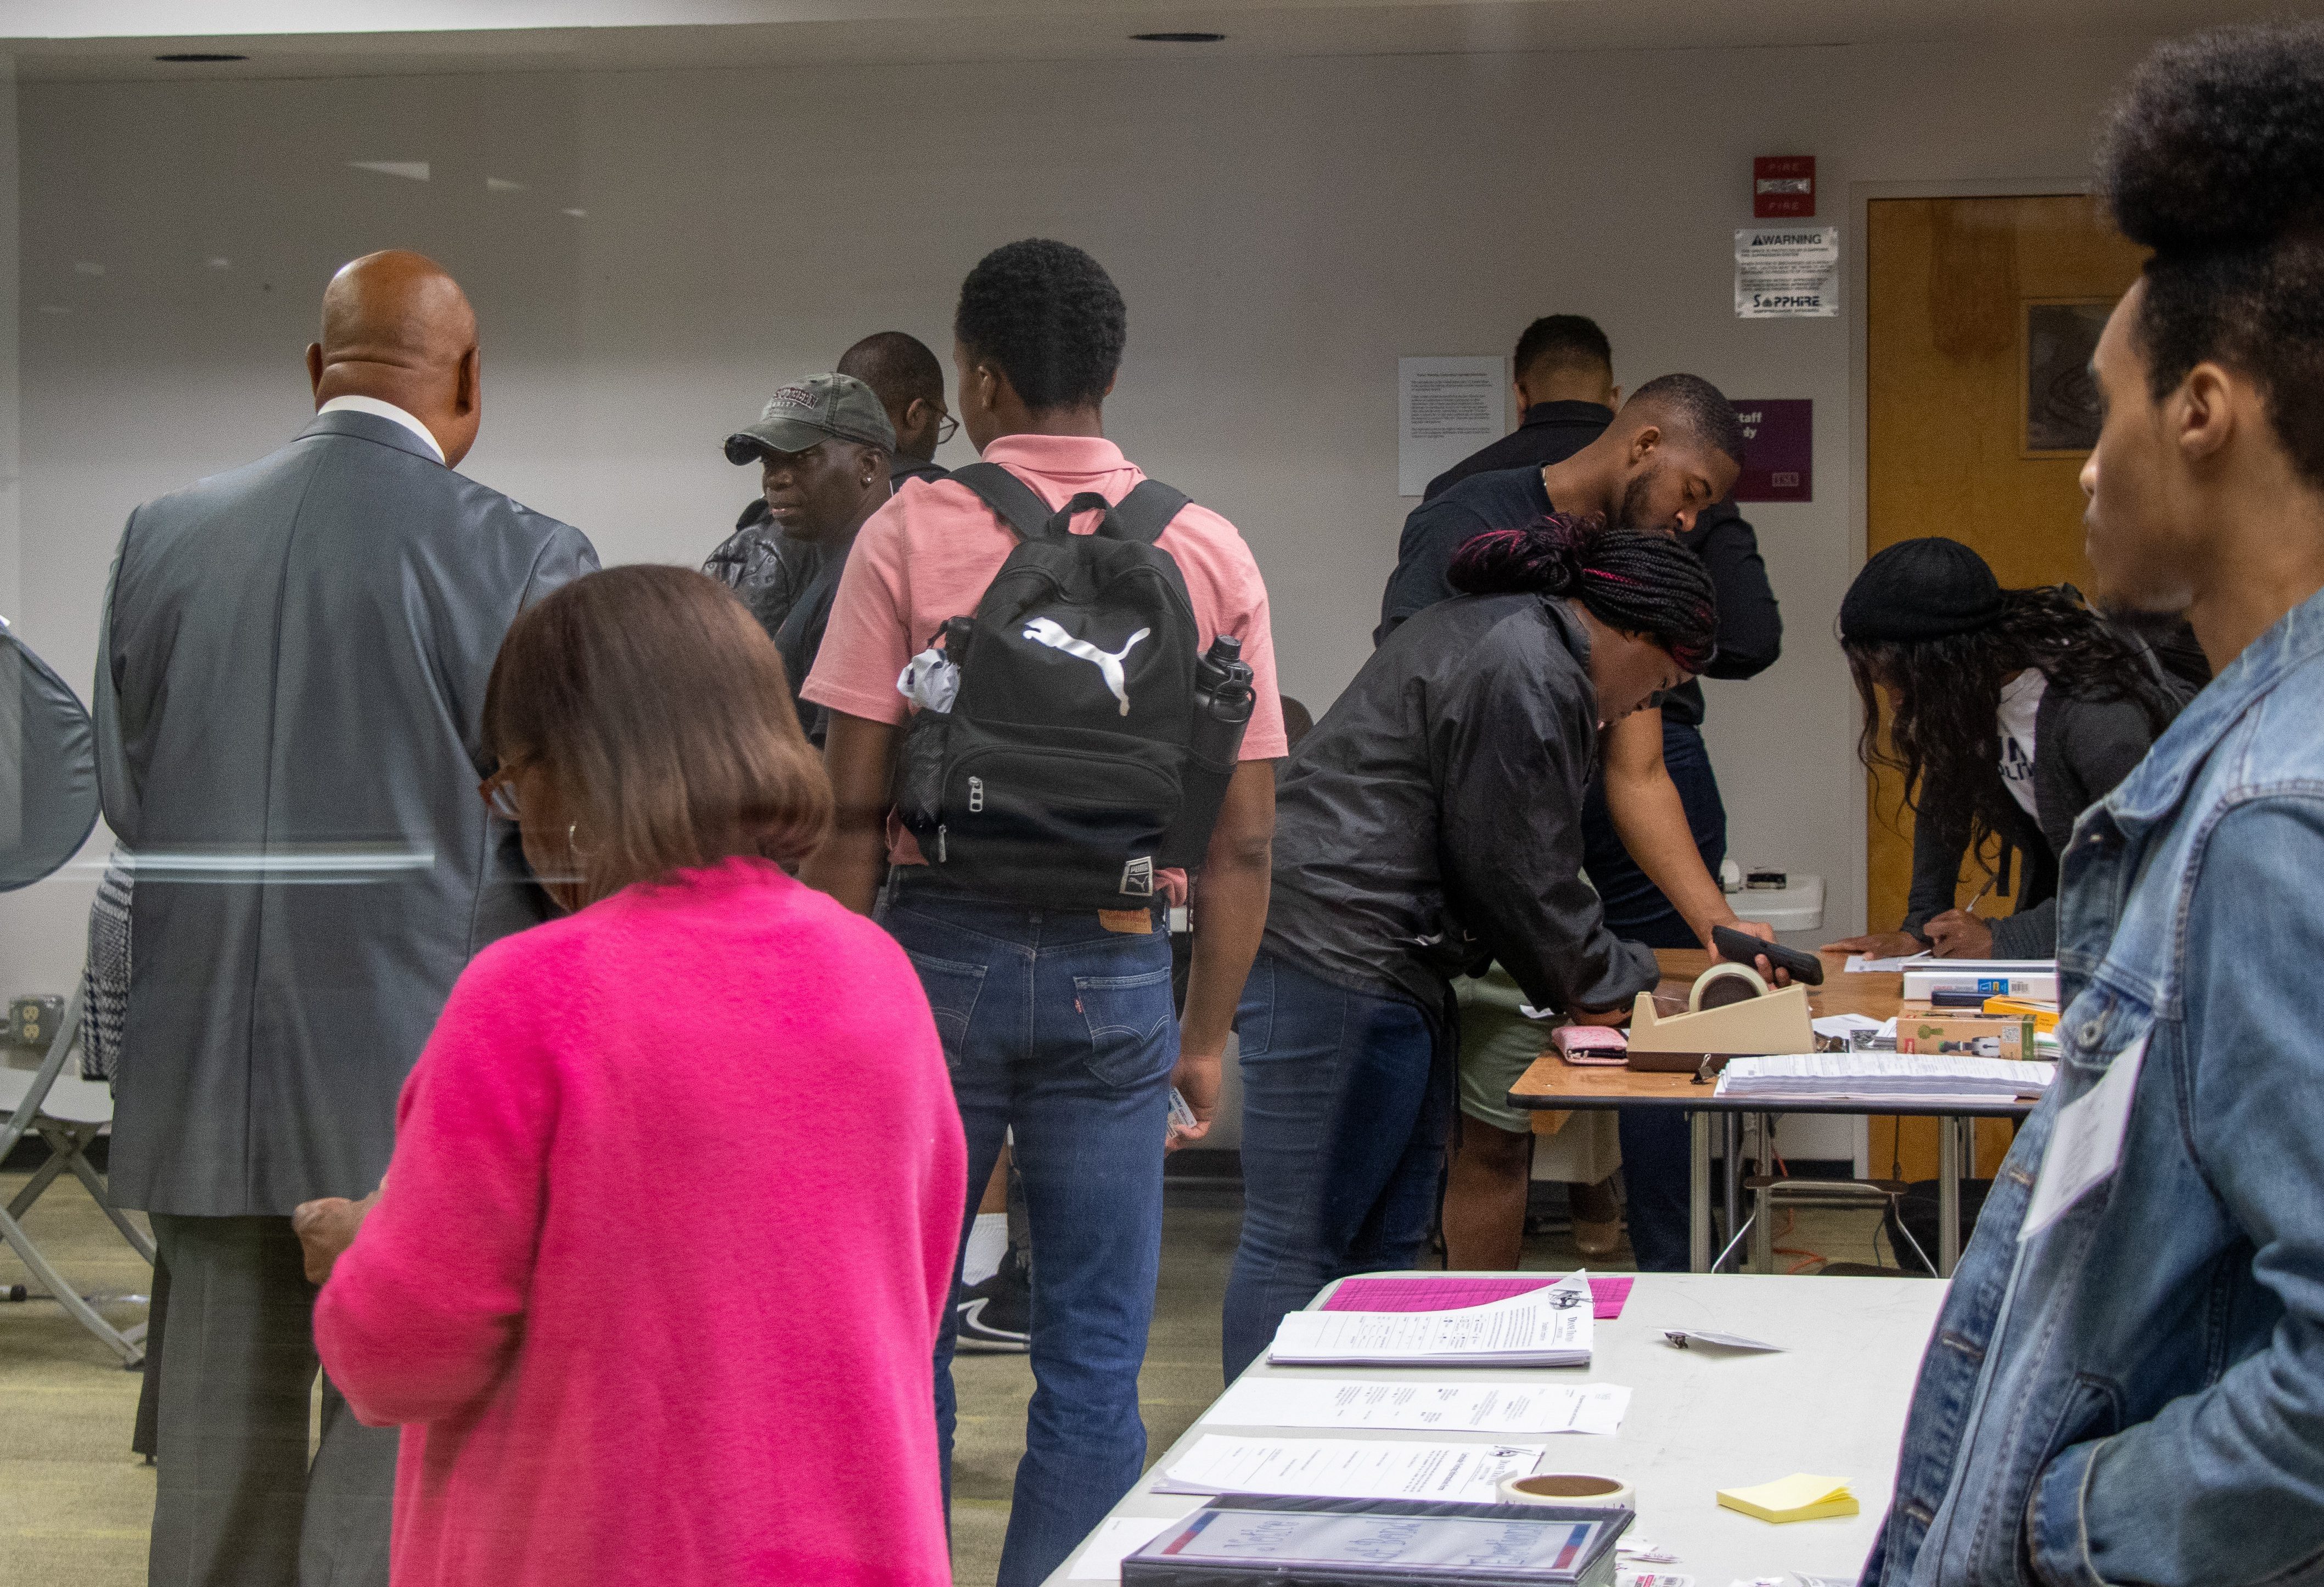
1283,230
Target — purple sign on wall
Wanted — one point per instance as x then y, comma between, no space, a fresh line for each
1778,449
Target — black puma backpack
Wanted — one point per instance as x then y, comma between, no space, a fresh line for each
1067,772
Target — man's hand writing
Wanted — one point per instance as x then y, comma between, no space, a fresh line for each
1957,935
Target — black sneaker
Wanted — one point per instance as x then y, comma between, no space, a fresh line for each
996,1317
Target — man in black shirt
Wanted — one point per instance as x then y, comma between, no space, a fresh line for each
1565,393
1588,460
1665,810
910,386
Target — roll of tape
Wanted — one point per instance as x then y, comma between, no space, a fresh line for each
1719,972
1586,1488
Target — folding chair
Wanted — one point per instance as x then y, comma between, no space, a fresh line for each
67,1112
48,807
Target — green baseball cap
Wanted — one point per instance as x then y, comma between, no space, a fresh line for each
810,411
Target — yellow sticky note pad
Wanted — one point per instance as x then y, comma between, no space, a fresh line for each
1798,1498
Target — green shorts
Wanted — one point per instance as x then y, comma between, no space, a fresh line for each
1498,1045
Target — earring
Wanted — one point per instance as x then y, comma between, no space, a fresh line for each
572,847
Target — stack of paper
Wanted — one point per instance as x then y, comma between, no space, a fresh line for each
1798,1498
1865,964
2037,979
1890,1077
1435,1407
1350,1468
1547,1327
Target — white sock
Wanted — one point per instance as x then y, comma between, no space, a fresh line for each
988,1242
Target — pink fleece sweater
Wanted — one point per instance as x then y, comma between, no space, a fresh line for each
653,1289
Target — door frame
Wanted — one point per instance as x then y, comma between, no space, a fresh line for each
1861,196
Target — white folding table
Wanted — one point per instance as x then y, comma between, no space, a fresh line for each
1831,1403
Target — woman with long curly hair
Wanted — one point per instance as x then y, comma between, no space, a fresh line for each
1430,822
2005,714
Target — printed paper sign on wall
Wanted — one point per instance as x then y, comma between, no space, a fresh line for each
1778,449
1445,408
1787,273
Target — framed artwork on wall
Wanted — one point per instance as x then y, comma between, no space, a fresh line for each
2055,341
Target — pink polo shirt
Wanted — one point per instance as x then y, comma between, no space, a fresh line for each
931,551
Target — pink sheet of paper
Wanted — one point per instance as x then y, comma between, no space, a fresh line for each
1428,1293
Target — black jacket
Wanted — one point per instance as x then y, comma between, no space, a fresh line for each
2081,748
765,567
1549,432
1434,818
1466,500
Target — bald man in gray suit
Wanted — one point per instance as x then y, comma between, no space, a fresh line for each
290,685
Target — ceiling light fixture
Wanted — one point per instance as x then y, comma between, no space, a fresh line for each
1179,38
192,56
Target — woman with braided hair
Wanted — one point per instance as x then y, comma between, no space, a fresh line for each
1430,822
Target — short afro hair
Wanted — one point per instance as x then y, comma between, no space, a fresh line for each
1691,405
899,368
2213,156
1049,317
1562,341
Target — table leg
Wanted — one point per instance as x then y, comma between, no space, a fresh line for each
1731,1189
1698,1196
1949,1176
1763,1219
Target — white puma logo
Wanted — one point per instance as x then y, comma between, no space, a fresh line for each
1042,631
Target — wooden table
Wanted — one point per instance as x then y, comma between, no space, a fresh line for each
1833,1401
1554,1084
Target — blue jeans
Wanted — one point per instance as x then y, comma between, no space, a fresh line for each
1064,1030
1655,1160
1343,1121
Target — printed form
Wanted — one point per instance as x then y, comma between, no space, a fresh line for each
1424,1408
1547,1327
1350,1468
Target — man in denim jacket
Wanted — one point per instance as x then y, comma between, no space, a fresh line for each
2132,1388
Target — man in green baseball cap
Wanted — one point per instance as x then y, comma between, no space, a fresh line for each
823,445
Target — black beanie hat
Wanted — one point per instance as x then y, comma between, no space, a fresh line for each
1922,589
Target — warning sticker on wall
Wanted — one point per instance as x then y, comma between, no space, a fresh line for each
1786,273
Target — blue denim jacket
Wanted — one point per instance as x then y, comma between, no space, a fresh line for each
2137,1393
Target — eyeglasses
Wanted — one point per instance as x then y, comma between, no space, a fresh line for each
947,427
499,793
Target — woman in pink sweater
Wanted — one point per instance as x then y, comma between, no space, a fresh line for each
654,1279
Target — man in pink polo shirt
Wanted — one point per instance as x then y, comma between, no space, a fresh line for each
1057,1023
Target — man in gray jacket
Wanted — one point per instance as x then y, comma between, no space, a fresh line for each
289,682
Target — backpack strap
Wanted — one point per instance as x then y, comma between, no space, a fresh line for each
1141,515
1013,500
1145,512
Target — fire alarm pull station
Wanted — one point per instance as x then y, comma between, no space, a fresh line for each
1783,186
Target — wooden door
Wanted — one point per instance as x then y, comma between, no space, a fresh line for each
1976,408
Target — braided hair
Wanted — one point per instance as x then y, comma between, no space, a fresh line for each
1644,584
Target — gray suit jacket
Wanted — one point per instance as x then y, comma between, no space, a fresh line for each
290,693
